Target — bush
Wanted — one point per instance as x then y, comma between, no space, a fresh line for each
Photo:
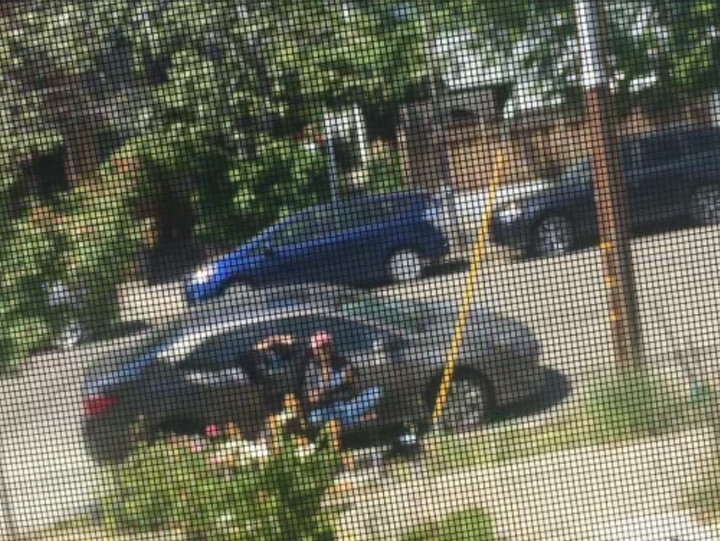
221,488
185,178
103,242
633,404
470,524
31,254
385,173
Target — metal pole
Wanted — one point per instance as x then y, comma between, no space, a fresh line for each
610,193
332,170
332,162
446,188
471,283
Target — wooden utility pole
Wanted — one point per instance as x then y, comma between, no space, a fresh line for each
610,192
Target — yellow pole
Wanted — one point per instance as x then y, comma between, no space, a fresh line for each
470,284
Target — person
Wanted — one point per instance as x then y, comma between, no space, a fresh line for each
331,391
279,359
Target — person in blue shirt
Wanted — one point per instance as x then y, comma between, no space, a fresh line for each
331,391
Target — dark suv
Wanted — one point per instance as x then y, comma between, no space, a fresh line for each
670,174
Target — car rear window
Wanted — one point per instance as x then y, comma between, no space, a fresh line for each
411,318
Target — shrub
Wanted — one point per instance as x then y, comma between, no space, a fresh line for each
282,179
470,524
224,488
103,242
31,254
385,173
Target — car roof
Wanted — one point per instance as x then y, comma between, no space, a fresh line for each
420,195
671,131
190,336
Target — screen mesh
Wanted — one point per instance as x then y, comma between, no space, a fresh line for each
420,270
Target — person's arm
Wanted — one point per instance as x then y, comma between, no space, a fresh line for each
346,372
314,396
313,388
284,339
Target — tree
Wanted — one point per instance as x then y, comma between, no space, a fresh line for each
662,52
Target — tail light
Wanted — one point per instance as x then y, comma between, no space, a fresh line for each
97,404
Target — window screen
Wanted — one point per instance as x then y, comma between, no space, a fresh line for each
440,170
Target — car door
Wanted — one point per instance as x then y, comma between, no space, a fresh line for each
216,382
653,172
360,239
305,250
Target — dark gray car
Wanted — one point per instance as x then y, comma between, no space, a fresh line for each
199,375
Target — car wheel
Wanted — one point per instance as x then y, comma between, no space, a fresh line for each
705,205
466,405
404,266
552,236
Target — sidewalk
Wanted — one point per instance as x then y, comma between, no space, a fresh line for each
555,497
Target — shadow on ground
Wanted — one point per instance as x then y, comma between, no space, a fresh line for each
556,390
445,268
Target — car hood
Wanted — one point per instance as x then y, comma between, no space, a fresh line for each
242,259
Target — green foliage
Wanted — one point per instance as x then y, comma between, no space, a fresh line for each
87,241
385,173
31,254
186,172
177,485
633,404
102,242
470,524
284,178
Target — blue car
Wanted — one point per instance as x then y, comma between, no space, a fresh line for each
352,241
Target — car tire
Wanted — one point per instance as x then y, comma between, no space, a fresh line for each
404,265
705,205
109,442
467,404
553,236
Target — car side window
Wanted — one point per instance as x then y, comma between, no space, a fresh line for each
295,232
308,227
224,351
353,215
701,141
349,335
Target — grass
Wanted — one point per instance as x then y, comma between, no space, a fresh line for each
617,409
703,499
508,443
468,524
